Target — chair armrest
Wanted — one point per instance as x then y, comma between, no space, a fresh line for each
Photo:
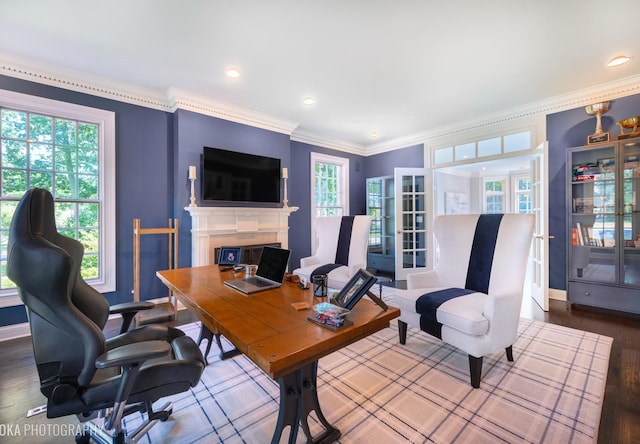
309,261
127,307
135,353
423,280
129,310
353,269
128,357
506,309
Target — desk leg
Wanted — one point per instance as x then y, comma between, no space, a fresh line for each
207,334
298,398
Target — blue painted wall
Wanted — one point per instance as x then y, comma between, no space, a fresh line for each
382,164
565,130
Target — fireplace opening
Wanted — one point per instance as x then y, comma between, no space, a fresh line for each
250,254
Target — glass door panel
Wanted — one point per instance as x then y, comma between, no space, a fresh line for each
411,247
594,230
630,213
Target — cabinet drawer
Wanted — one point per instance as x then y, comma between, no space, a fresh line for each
604,296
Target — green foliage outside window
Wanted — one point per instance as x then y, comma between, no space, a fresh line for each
60,155
327,188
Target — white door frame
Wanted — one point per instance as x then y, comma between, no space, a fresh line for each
540,244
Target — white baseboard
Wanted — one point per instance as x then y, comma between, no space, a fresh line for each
558,295
16,331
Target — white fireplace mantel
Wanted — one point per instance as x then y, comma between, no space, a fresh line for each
213,227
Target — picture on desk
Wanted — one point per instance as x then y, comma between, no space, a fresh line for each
355,289
229,255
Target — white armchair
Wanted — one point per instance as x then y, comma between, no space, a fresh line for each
341,250
472,297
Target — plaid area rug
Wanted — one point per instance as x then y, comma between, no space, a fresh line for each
378,391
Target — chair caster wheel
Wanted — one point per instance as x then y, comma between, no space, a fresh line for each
167,416
83,438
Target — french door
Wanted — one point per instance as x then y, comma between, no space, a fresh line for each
540,247
412,221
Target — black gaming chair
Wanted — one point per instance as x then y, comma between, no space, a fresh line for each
80,371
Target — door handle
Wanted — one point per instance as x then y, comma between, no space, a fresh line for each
542,236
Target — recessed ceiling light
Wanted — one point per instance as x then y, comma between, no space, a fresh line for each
309,100
373,134
233,72
619,60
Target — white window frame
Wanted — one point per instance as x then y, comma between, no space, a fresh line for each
506,195
343,162
106,178
516,193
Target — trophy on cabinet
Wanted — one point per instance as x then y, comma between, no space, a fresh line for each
632,123
598,109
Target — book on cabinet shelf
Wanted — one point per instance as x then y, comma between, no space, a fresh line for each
583,235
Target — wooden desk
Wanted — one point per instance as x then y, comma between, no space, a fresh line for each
276,337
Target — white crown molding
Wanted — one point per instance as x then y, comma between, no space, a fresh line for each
82,82
125,92
575,99
327,142
174,99
180,99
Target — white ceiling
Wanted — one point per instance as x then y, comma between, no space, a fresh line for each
395,67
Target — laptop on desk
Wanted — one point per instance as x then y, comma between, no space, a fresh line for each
270,273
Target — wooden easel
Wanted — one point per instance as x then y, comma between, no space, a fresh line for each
162,310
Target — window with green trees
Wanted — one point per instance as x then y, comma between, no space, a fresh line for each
62,156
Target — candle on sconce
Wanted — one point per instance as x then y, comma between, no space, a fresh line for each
285,173
192,178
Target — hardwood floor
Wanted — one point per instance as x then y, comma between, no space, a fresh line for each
620,420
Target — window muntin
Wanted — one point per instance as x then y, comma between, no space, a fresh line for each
495,196
330,186
374,209
522,193
59,155
70,150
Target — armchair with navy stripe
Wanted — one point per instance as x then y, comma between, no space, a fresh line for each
473,296
341,250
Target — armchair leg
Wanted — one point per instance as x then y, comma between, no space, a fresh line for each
475,369
402,332
509,351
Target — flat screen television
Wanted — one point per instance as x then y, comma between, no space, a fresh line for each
230,176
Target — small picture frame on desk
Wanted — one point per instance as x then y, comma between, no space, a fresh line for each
229,255
357,287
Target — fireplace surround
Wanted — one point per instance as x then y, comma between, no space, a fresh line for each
214,227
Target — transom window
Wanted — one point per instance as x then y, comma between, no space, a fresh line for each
63,152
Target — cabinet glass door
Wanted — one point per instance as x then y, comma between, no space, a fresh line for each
593,219
631,213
